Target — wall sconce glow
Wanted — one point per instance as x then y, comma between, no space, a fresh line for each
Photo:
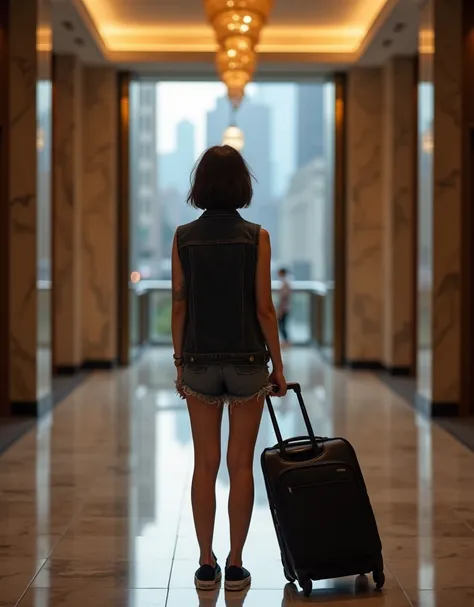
40,140
234,137
426,42
44,39
427,142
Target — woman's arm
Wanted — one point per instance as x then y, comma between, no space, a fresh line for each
266,310
179,306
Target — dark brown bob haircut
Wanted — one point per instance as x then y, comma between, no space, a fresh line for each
221,180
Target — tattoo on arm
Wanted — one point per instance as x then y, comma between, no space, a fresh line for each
179,293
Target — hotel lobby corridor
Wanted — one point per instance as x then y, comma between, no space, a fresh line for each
95,500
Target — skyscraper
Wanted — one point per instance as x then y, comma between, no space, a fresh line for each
310,116
146,217
254,120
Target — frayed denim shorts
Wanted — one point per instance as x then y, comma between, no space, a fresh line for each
225,384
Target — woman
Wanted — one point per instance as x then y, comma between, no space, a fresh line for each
284,305
225,331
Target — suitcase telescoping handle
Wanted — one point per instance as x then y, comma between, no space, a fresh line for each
282,444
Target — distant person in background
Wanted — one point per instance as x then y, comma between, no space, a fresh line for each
284,306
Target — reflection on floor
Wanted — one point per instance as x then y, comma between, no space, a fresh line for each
462,428
11,428
94,502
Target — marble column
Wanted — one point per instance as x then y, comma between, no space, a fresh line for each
4,214
399,199
99,216
364,233
29,166
440,206
67,211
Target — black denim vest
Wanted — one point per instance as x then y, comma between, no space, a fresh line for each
218,253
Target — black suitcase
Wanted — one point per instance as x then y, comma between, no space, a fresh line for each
320,507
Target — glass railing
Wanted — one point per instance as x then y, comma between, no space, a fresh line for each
307,324
150,313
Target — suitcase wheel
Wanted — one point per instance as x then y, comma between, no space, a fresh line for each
307,586
379,578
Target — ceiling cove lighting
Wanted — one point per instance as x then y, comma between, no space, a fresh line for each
346,36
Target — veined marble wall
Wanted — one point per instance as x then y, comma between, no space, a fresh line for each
441,41
99,214
364,311
67,293
22,155
447,202
30,48
398,207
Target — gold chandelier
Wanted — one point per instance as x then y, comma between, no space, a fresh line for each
236,68
237,24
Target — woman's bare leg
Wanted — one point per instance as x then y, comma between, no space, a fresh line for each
206,430
244,424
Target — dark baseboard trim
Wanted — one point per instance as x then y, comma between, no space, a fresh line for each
100,364
399,371
25,415
431,408
87,365
375,365
364,365
67,369
405,387
34,408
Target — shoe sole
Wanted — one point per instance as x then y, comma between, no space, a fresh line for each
238,586
208,584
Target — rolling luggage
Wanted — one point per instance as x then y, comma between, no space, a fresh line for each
320,507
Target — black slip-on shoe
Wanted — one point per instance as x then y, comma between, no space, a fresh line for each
207,577
237,578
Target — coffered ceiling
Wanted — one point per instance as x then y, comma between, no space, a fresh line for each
329,32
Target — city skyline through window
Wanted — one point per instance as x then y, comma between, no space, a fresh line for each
288,144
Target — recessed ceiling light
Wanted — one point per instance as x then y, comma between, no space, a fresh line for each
68,25
399,27
79,41
387,43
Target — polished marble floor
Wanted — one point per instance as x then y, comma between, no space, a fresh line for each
95,505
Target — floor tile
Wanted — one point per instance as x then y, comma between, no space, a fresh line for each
254,598
335,598
15,576
286,597
429,574
26,526
466,514
454,597
108,597
405,520
113,548
145,574
39,547
401,549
